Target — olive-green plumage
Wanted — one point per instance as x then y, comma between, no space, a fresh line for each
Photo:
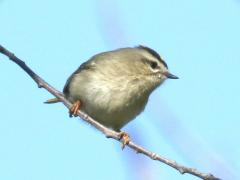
114,86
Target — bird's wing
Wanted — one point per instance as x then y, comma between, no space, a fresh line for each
88,65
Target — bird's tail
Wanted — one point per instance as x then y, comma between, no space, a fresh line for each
51,101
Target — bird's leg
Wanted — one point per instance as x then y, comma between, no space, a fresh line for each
75,107
125,139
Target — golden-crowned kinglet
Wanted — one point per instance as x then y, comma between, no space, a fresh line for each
113,87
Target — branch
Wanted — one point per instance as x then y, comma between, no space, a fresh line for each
107,132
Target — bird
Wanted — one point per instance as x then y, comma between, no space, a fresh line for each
113,87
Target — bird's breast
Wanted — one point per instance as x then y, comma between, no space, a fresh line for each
113,104
115,109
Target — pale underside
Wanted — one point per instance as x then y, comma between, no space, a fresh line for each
109,104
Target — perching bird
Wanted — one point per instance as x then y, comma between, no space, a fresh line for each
113,87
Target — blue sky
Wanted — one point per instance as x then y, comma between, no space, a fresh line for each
193,120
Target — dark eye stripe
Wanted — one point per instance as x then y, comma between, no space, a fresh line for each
154,54
153,64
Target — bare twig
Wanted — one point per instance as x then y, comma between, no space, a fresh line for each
107,132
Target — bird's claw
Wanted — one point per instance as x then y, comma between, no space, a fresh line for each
125,139
75,107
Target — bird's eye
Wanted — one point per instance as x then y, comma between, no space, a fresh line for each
153,65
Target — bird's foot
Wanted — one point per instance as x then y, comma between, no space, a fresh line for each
75,107
125,139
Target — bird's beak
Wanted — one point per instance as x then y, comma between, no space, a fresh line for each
169,75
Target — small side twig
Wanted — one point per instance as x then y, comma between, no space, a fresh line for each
107,132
